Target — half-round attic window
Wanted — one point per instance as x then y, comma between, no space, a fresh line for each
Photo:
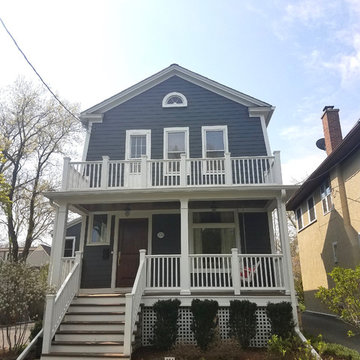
174,99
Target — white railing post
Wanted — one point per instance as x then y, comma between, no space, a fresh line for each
128,323
184,260
182,170
48,323
235,270
78,258
65,174
144,171
105,172
277,176
228,169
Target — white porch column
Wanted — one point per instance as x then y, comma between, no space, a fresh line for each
285,245
57,248
235,270
277,168
184,260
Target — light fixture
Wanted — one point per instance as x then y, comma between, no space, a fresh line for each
127,210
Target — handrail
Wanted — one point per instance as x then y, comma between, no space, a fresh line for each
133,301
28,348
57,305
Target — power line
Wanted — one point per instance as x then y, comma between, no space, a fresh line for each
39,76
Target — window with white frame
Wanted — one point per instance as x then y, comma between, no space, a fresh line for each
214,141
174,99
335,255
69,248
99,229
176,142
299,219
214,232
311,209
325,191
138,143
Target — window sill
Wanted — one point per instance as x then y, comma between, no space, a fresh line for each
98,244
307,225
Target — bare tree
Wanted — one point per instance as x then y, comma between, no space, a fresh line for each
35,130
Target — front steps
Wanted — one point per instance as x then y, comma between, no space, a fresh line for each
92,329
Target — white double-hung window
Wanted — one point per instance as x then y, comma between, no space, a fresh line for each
137,144
214,141
176,142
326,200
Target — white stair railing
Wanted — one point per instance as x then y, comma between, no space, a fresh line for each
57,305
133,301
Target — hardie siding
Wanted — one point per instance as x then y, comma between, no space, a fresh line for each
205,108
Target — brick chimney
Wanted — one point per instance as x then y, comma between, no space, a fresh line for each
332,128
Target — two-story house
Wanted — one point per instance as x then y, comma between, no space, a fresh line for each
327,208
180,197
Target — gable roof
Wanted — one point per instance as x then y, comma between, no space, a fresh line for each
349,145
256,106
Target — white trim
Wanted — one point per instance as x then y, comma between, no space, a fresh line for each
169,95
176,129
176,70
73,238
297,218
222,128
108,229
86,143
308,209
265,134
129,133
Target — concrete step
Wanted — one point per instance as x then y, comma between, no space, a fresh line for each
91,307
87,347
84,356
92,325
89,335
95,316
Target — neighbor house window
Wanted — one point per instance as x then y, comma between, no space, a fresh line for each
335,255
69,249
311,209
176,142
99,229
299,219
325,191
174,99
214,141
137,144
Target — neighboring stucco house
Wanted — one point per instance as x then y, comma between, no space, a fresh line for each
38,255
327,208
177,192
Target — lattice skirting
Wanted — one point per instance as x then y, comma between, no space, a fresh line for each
185,335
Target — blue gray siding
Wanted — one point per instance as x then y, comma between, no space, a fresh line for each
205,108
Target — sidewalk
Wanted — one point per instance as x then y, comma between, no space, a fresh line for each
332,329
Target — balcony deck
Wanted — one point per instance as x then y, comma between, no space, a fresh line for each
158,173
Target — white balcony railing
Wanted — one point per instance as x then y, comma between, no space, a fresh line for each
151,173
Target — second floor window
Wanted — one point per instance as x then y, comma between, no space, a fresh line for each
137,144
215,141
175,142
311,208
326,200
299,219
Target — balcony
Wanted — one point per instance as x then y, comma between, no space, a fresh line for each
158,173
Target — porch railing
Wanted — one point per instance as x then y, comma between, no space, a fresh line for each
234,272
133,301
150,173
57,305
67,263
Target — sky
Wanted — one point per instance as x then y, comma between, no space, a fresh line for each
297,55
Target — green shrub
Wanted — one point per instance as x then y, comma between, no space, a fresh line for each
242,321
165,329
344,298
204,321
281,319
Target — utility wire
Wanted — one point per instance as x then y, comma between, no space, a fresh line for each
41,79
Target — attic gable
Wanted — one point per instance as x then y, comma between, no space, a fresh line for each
256,107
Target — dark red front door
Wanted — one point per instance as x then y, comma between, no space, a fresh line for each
133,236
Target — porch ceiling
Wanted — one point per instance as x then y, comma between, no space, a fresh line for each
172,205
